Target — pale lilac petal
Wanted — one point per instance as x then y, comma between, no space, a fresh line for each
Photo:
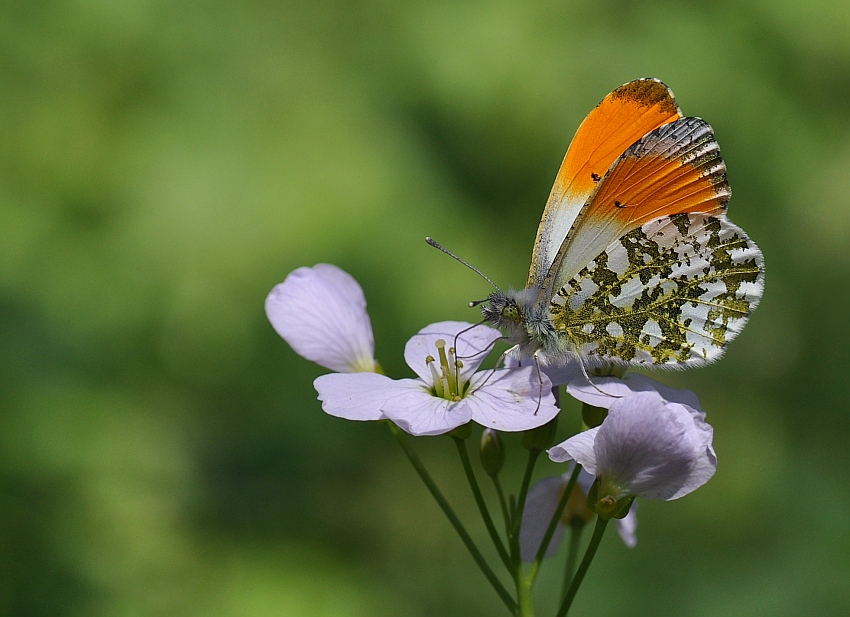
614,387
564,373
648,448
355,396
627,527
321,313
511,399
419,412
642,383
540,505
578,448
705,460
557,373
473,346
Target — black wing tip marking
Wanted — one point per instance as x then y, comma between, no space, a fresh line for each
649,92
692,141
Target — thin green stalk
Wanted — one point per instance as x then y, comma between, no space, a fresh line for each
482,505
576,527
453,519
553,523
526,601
598,532
523,493
522,582
502,503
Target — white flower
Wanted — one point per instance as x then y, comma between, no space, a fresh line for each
646,447
448,393
321,313
606,390
540,507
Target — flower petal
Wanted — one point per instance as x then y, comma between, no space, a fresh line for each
705,459
419,412
627,527
540,505
321,313
472,348
577,448
355,396
511,399
653,449
568,372
615,388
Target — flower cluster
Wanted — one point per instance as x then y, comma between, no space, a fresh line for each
644,440
654,442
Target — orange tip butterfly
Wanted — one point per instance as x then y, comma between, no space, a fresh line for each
635,261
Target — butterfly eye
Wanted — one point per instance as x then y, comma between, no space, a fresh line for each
511,312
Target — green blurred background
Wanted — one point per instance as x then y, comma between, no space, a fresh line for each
164,164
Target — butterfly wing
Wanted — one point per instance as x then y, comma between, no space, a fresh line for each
672,170
671,292
623,117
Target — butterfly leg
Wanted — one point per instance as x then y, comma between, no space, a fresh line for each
588,380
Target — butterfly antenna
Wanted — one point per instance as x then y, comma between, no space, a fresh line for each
437,245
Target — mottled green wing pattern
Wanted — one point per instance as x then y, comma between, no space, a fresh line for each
672,292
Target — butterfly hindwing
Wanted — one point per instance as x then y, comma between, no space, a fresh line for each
671,292
622,118
674,169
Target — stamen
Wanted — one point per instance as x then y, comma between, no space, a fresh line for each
435,377
448,375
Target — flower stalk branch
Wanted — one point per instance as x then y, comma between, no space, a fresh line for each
438,496
482,505
589,554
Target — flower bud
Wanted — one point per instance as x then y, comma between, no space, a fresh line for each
540,438
492,452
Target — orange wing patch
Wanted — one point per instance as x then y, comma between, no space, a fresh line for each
674,169
623,117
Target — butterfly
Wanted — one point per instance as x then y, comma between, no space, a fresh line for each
635,261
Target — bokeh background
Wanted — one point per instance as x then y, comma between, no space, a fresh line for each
164,164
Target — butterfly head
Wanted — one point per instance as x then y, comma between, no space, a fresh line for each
501,310
510,310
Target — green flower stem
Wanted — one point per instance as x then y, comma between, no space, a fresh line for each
453,519
523,588
598,532
482,505
553,524
502,503
523,493
523,583
576,528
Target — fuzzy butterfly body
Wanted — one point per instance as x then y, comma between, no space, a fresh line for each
635,261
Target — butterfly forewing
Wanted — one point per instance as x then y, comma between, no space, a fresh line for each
674,169
621,119
671,292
